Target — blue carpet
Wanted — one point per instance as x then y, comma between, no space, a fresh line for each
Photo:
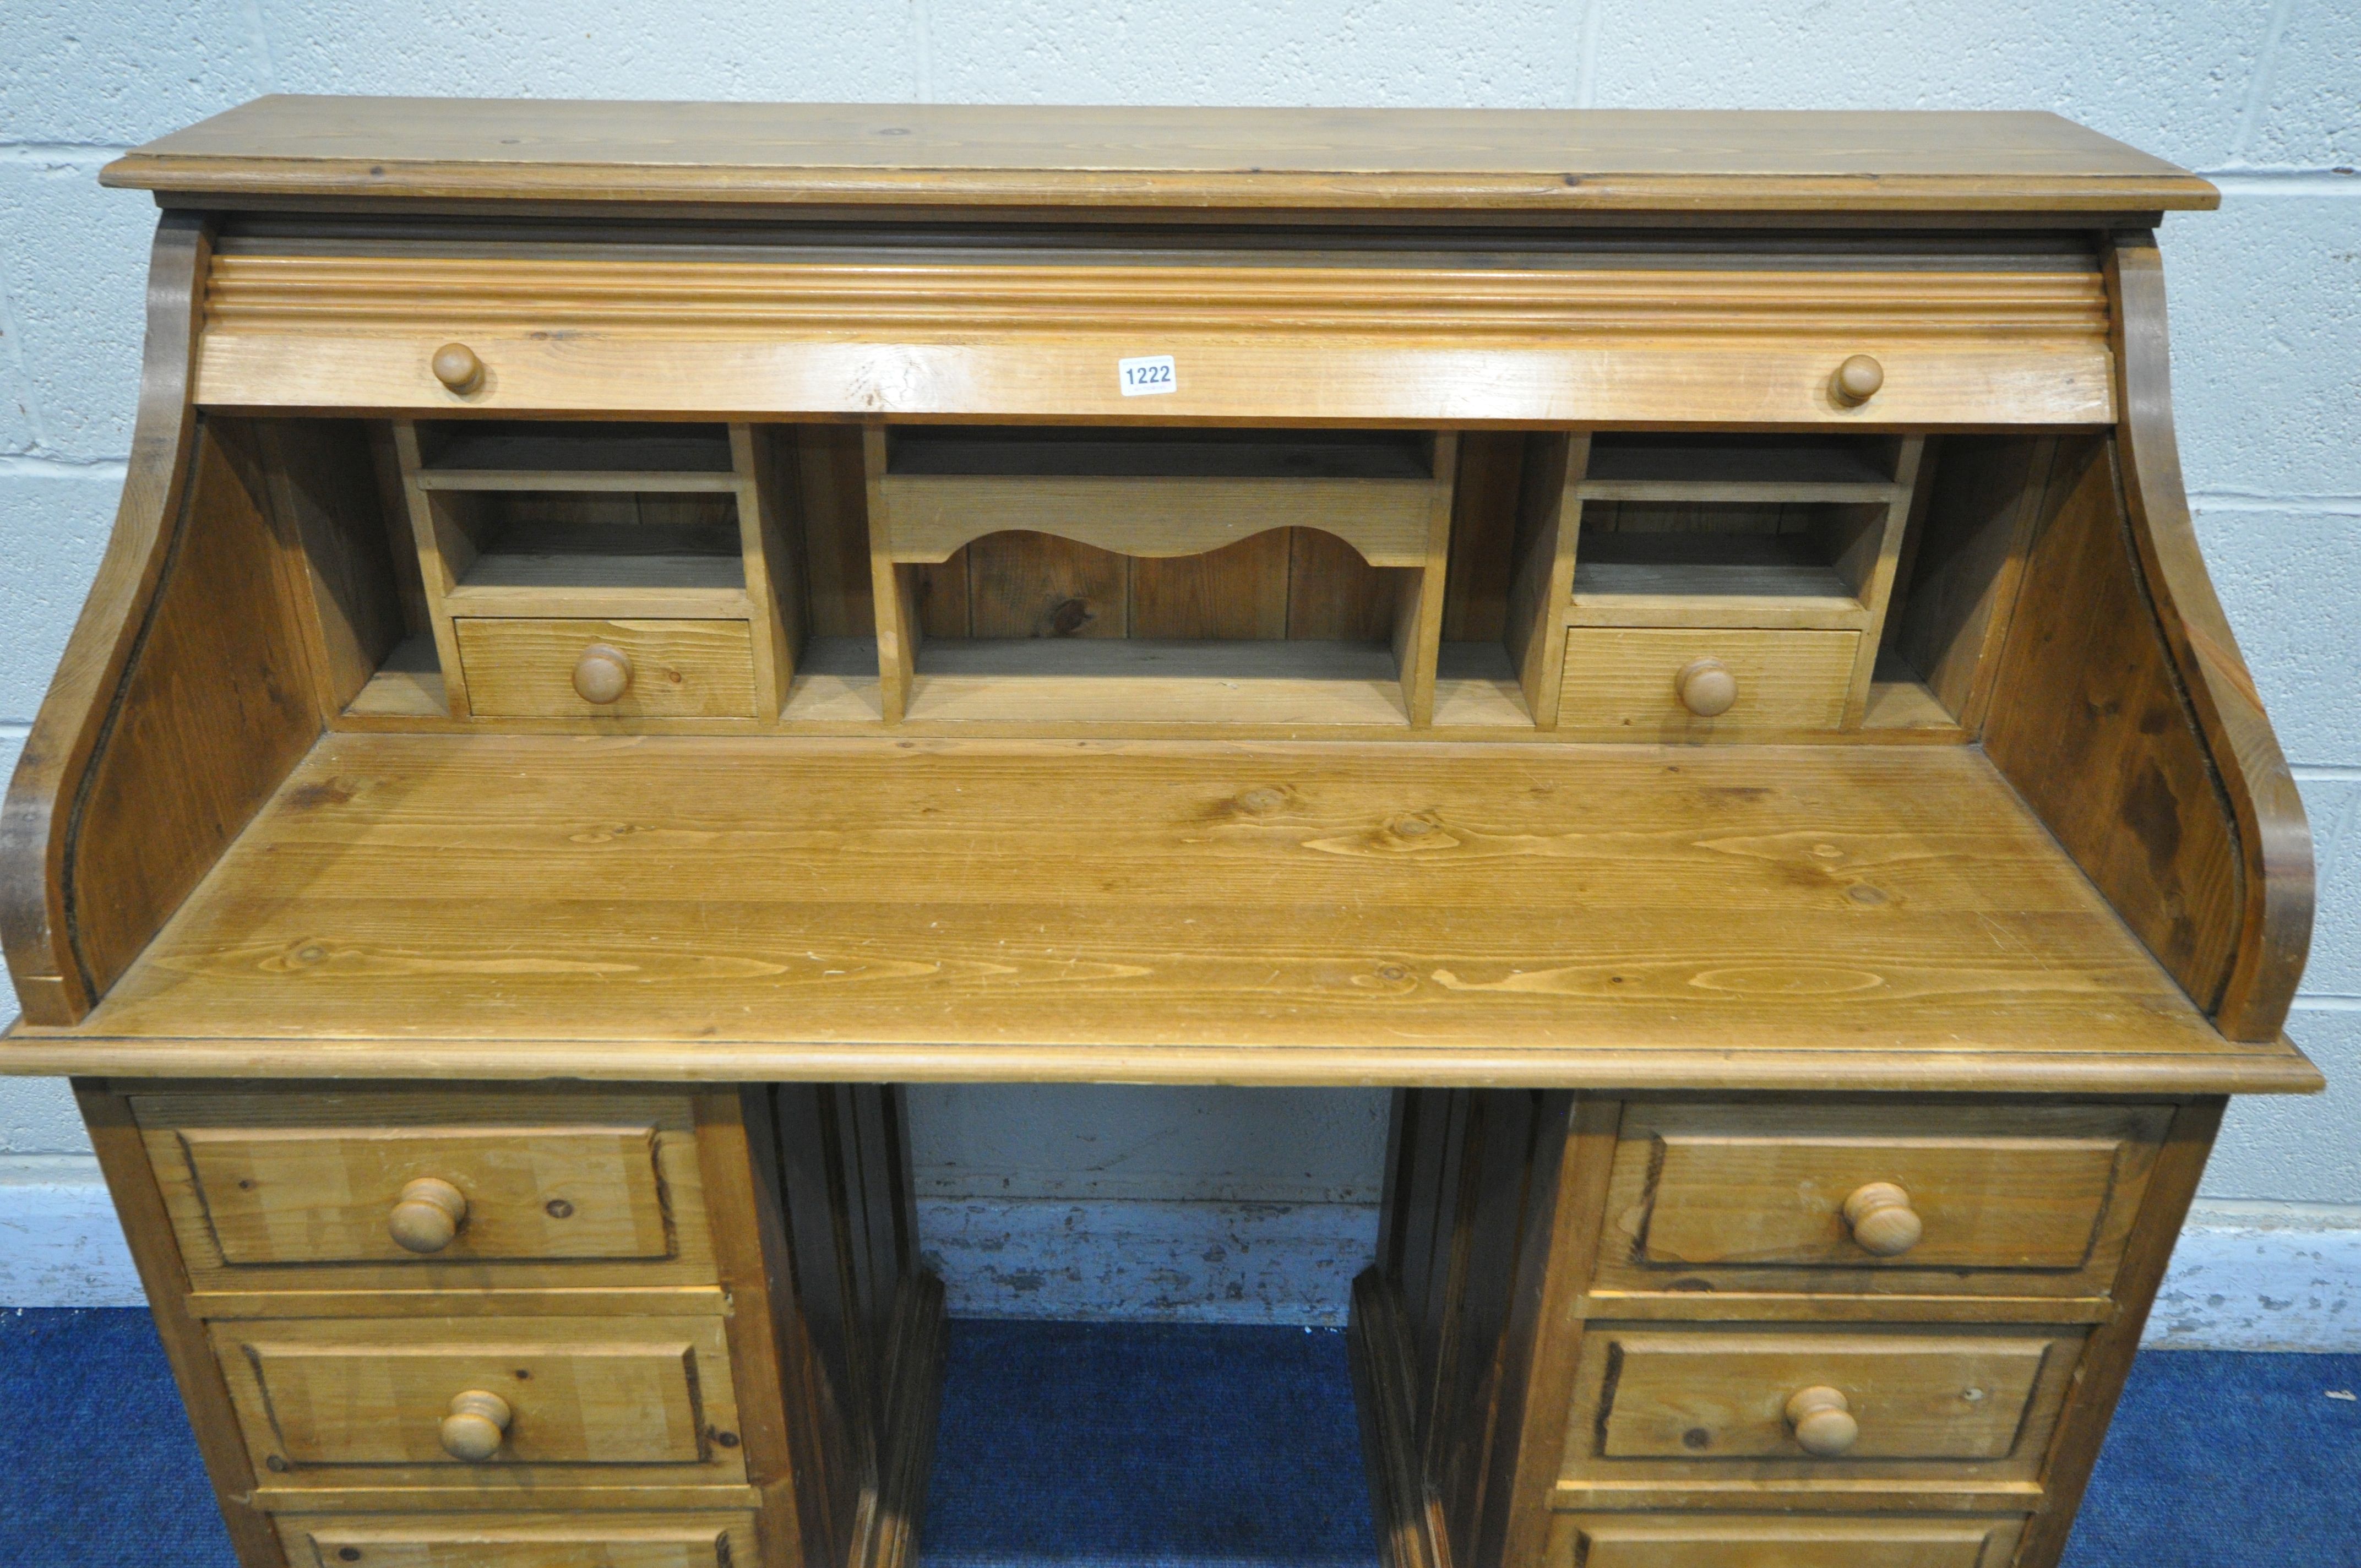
1130,1446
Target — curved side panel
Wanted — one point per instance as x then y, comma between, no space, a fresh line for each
34,822
2090,723
185,695
2274,839
2125,716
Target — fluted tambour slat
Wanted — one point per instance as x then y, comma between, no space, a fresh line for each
263,293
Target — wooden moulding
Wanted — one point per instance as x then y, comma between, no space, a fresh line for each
2124,715
1395,165
1409,1526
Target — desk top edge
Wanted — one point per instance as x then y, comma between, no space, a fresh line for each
997,156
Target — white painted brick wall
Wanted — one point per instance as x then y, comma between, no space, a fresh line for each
2262,96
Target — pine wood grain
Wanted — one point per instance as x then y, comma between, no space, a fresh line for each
1294,911
327,1162
1619,681
1955,1413
2274,839
2017,1200
37,821
929,516
524,667
1393,160
2090,723
643,1400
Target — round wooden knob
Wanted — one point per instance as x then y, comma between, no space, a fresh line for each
1823,1421
1857,380
1706,687
456,367
477,1424
427,1214
1882,1219
603,673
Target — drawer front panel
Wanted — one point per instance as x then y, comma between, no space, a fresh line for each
1711,1404
2031,1199
523,1541
295,1189
1610,1541
1620,680
327,1196
680,669
1719,1395
320,1398
768,336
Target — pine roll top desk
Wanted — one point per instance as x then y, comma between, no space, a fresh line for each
1673,641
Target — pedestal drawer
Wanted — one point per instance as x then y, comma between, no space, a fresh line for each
414,1189
1612,1540
476,1401
521,1540
346,1195
1712,1403
1836,1197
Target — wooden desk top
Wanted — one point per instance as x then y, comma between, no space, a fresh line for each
1536,163
1831,917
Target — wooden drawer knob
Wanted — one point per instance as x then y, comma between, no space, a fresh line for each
1823,1420
456,367
1857,380
1882,1219
1706,687
427,1214
602,674
477,1426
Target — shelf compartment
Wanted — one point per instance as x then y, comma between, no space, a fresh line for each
1706,531
1051,450
1156,533
1714,465
536,521
536,455
1133,680
409,684
1712,579
1153,493
531,552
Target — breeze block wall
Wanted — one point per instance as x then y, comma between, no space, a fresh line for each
1220,1204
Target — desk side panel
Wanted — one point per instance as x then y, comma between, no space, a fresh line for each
2125,717
185,696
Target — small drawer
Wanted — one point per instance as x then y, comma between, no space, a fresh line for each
1680,1404
659,669
314,1188
520,1541
353,1195
1627,680
1841,1198
1715,1540
482,1402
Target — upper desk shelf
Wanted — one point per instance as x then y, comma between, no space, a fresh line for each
1408,494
